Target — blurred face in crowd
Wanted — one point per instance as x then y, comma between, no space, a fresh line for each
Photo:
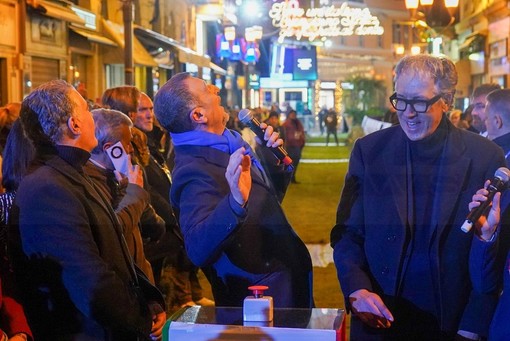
478,113
491,122
9,113
143,118
455,117
209,111
422,118
273,121
84,122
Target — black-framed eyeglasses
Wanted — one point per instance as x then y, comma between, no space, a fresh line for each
419,106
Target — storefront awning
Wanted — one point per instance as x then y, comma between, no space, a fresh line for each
57,11
93,36
140,54
184,54
472,39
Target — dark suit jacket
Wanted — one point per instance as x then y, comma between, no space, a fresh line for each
369,238
78,278
237,247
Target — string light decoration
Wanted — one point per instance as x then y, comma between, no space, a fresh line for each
338,97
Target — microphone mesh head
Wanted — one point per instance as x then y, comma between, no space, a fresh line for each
245,116
503,174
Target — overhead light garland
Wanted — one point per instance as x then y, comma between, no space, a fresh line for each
320,22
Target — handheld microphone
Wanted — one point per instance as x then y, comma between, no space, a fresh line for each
246,117
498,184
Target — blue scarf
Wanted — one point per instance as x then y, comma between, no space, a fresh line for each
228,142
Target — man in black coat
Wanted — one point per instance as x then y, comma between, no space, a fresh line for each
77,277
401,257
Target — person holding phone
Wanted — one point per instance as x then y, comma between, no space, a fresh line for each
174,273
69,251
111,169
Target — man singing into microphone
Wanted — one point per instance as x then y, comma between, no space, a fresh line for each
233,225
401,257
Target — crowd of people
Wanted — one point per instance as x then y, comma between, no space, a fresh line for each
108,214
94,246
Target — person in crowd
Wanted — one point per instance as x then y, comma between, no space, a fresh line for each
308,118
267,158
455,118
322,114
402,259
478,101
18,153
236,231
125,99
497,111
276,108
8,115
121,183
165,255
82,90
183,275
467,119
76,275
274,121
489,268
294,140
331,123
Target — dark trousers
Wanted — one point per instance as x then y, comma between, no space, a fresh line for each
334,134
295,155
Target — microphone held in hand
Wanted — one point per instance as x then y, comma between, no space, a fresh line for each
498,184
246,117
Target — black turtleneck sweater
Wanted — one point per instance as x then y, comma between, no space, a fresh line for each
424,159
76,157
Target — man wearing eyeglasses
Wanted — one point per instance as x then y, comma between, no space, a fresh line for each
401,257
479,101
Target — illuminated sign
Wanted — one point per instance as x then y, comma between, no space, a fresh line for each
254,81
304,64
327,21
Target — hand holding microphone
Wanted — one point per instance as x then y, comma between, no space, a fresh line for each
246,117
483,198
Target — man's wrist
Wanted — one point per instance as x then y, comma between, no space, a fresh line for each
490,238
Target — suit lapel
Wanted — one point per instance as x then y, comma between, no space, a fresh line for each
395,168
452,174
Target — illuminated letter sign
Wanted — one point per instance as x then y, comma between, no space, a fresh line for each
329,21
304,64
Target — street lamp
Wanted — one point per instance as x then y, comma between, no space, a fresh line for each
439,13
